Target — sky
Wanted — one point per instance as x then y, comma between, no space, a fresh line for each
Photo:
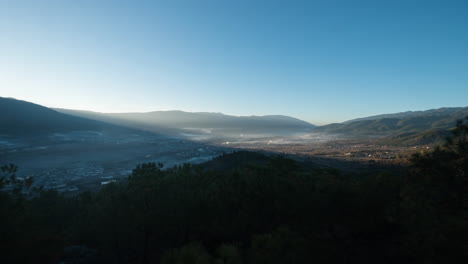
321,61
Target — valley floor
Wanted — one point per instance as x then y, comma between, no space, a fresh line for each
80,162
360,151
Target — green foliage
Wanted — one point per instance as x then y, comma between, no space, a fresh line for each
228,254
436,200
280,246
7,175
193,253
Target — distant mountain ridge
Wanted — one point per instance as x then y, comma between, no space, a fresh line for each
24,118
420,127
202,122
411,128
432,112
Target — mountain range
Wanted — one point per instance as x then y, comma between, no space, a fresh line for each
25,118
440,112
410,128
21,118
215,124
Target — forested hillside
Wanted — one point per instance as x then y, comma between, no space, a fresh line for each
407,128
393,124
270,211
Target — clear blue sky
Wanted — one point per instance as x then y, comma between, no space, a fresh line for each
322,61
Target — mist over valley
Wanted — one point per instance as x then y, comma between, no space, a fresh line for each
74,150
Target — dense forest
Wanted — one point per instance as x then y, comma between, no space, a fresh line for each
247,207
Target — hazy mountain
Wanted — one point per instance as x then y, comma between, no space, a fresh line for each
421,127
21,117
200,122
444,111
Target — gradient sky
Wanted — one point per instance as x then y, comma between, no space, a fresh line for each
321,61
